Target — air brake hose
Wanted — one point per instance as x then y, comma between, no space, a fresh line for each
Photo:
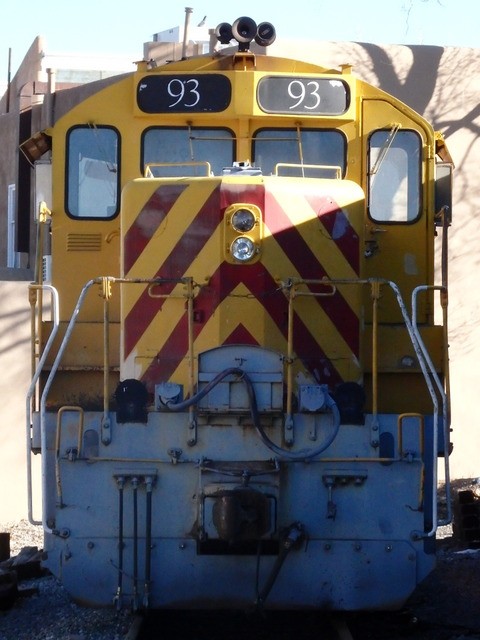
292,538
303,454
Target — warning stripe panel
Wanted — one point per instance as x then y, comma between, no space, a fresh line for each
147,222
208,302
176,265
308,267
196,228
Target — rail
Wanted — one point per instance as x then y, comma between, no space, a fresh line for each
432,381
31,392
106,283
441,392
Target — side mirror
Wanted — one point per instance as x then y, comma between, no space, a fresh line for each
443,192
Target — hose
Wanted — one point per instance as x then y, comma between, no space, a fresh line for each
292,538
303,454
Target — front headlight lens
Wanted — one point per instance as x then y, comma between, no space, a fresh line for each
243,249
243,220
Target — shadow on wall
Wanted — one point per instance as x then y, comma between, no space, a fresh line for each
14,382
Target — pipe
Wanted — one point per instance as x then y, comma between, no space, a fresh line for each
9,78
188,13
135,541
118,596
293,537
303,454
46,390
30,393
148,542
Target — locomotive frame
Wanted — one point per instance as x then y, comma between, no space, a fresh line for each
225,370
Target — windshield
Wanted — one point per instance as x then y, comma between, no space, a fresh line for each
165,151
313,152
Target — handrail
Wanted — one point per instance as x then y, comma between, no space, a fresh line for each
423,358
320,167
105,282
203,164
31,391
58,437
441,391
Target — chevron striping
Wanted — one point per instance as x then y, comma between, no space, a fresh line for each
198,248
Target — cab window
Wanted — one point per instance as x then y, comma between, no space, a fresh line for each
394,176
186,151
316,153
92,181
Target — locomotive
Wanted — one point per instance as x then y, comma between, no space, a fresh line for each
240,389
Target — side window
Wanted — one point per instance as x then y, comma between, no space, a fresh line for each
185,151
92,181
394,176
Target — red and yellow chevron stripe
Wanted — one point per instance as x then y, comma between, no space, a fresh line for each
174,229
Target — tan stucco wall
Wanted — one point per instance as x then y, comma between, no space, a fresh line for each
14,382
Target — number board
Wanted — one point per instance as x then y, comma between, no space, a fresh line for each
185,93
305,95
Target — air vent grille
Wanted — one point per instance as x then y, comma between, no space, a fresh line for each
84,242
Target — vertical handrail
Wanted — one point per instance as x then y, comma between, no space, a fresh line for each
32,389
441,391
106,294
419,352
375,295
191,362
58,438
46,390
422,357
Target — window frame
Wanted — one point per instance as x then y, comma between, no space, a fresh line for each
319,130
185,128
88,127
418,181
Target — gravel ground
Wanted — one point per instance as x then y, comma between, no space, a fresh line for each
446,606
46,612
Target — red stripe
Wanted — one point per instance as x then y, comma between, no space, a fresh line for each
241,335
175,266
265,290
227,276
308,267
147,222
338,226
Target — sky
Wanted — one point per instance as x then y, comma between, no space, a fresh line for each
111,26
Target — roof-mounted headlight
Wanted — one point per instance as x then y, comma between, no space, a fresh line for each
243,249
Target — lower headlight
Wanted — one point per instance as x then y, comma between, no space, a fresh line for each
243,249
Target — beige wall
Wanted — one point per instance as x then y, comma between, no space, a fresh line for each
14,382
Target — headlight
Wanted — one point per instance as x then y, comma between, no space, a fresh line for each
243,220
243,249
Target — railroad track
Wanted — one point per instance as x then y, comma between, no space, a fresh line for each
238,626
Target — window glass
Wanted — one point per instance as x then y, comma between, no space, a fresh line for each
394,176
181,151
92,172
323,149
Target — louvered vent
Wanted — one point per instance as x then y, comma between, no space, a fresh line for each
84,242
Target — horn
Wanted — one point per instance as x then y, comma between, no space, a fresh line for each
265,34
223,32
244,30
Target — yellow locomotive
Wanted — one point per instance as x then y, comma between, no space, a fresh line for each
236,357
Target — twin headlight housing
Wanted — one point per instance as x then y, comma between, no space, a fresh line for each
242,231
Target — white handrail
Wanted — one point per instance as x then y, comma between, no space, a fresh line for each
31,391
